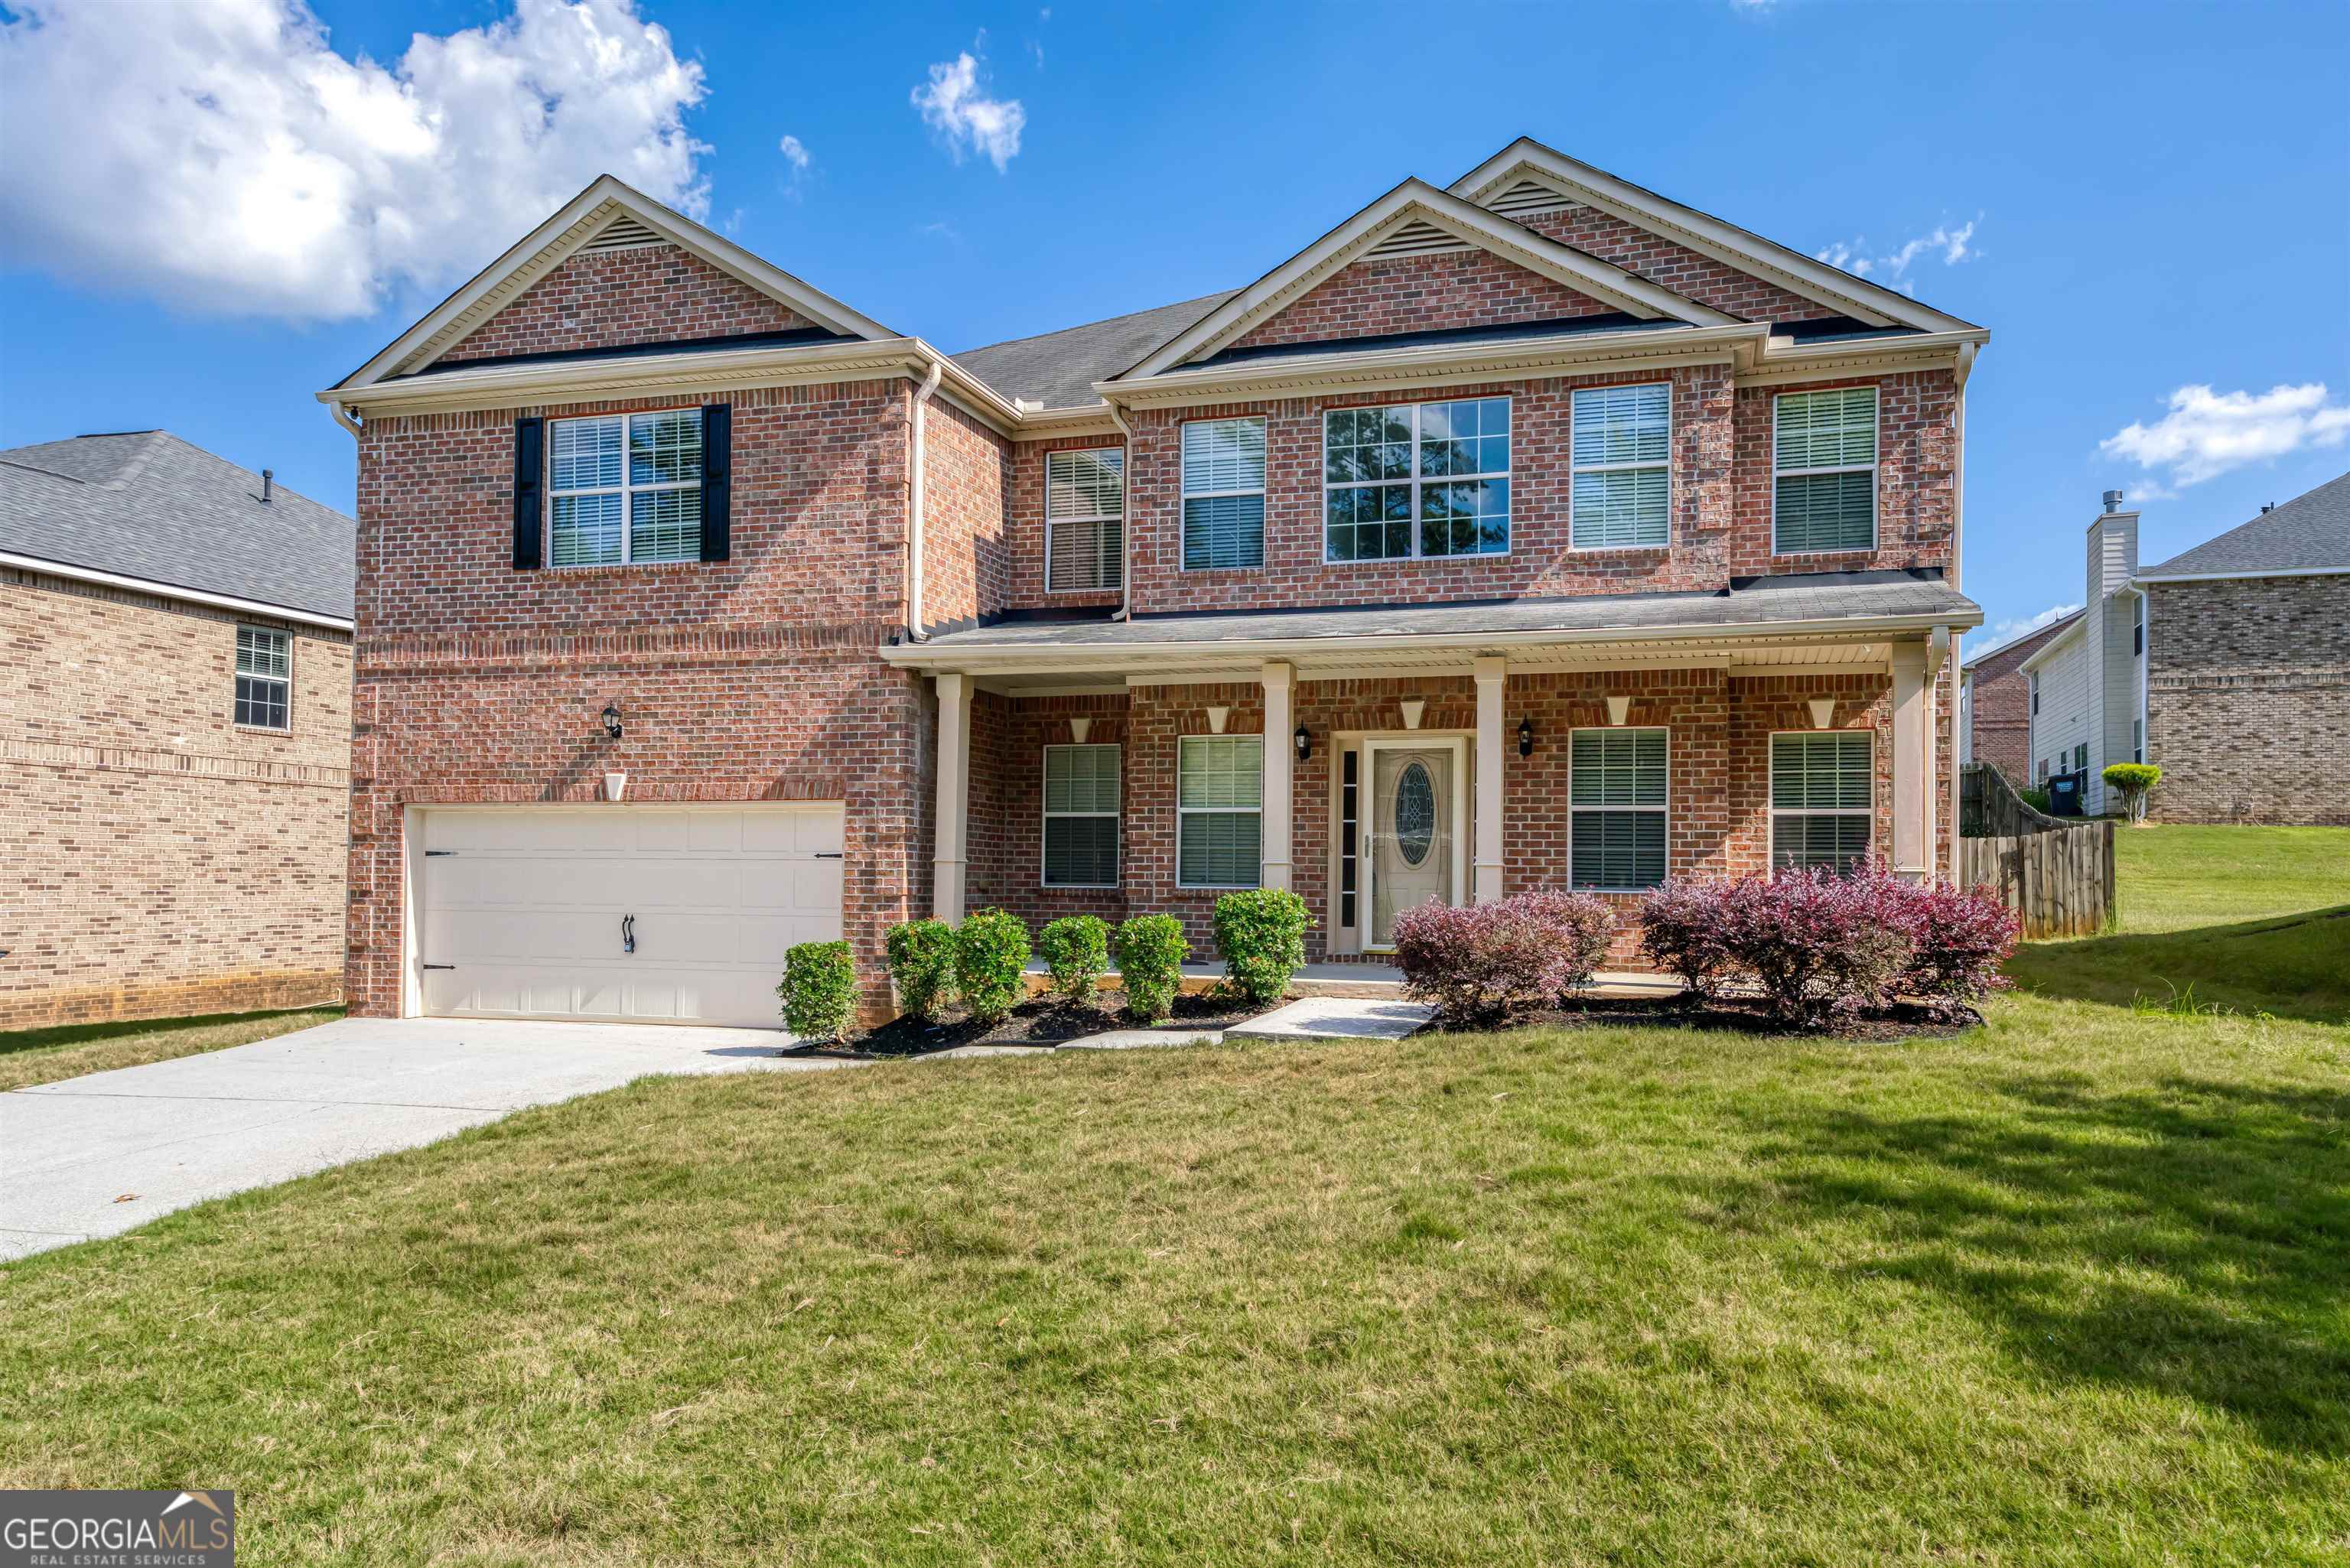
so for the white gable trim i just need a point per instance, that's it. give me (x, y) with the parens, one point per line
(547, 246)
(1707, 235)
(1415, 202)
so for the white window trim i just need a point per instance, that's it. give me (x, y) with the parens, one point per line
(1117, 563)
(1664, 810)
(1877, 416)
(1777, 811)
(1043, 841)
(623, 490)
(1574, 468)
(1183, 493)
(286, 680)
(1182, 810)
(1415, 481)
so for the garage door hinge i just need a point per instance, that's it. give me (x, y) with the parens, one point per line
(834, 855)
(439, 966)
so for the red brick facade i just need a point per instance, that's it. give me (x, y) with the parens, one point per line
(2000, 724)
(1420, 294)
(1675, 266)
(616, 299)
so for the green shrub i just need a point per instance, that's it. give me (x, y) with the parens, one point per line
(991, 954)
(922, 965)
(2036, 798)
(1076, 949)
(1262, 934)
(819, 990)
(1151, 953)
(2136, 781)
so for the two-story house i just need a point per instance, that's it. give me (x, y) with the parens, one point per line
(1533, 531)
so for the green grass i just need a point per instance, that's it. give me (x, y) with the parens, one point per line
(2073, 1289)
(49, 1055)
(2177, 878)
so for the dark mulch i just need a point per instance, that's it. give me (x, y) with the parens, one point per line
(1903, 1021)
(1046, 1020)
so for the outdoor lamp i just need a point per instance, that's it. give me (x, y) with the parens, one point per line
(1305, 743)
(1525, 737)
(612, 720)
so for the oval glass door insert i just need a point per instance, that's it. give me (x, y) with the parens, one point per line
(1415, 813)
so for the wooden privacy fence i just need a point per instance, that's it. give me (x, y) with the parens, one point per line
(2057, 874)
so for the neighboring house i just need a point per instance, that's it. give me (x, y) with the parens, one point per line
(1995, 703)
(1535, 530)
(2227, 666)
(174, 735)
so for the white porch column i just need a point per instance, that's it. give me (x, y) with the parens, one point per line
(954, 796)
(1913, 729)
(1273, 865)
(1492, 677)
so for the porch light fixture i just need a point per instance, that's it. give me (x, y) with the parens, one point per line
(612, 720)
(1413, 707)
(1618, 710)
(1823, 711)
(1305, 743)
(1525, 737)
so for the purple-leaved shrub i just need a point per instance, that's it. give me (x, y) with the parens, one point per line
(1474, 964)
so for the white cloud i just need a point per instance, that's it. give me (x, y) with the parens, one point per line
(795, 153)
(2008, 630)
(1751, 7)
(2206, 433)
(221, 156)
(965, 117)
(1952, 245)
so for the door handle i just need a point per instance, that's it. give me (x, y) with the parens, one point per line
(628, 933)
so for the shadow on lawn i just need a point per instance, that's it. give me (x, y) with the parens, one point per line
(2294, 966)
(2192, 1239)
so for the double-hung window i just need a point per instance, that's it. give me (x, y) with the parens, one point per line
(1616, 797)
(1081, 793)
(1416, 479)
(1085, 520)
(1219, 808)
(1823, 797)
(1824, 493)
(265, 678)
(625, 488)
(1623, 468)
(1223, 493)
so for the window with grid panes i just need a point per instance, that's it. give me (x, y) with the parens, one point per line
(1219, 806)
(1616, 791)
(265, 678)
(1823, 797)
(624, 488)
(1416, 479)
(1824, 492)
(1081, 805)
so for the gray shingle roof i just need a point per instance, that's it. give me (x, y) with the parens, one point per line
(2308, 532)
(1752, 603)
(1058, 369)
(147, 504)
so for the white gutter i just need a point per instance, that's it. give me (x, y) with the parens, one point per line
(170, 591)
(2229, 577)
(1125, 523)
(916, 424)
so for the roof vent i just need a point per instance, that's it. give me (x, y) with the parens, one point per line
(2113, 501)
(2267, 507)
(268, 483)
(1530, 196)
(1418, 238)
(622, 234)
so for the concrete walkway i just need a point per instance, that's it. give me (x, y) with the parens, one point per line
(99, 1155)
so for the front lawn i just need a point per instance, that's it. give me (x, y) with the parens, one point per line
(50, 1055)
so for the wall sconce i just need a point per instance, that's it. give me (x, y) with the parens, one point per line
(1305, 743)
(1525, 737)
(612, 720)
(1413, 707)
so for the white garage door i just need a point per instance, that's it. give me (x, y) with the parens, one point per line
(530, 912)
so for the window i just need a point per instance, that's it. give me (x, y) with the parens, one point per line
(1081, 816)
(1219, 805)
(265, 678)
(2034, 679)
(625, 488)
(1416, 479)
(1085, 520)
(1822, 798)
(1223, 493)
(1825, 494)
(1350, 806)
(2137, 625)
(2080, 756)
(2043, 770)
(2138, 740)
(1617, 802)
(1623, 473)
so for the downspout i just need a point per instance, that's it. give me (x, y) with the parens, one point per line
(343, 418)
(1126, 522)
(914, 503)
(1966, 369)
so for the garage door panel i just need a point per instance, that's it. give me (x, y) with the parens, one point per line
(794, 831)
(796, 885)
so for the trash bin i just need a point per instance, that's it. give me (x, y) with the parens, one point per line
(2064, 794)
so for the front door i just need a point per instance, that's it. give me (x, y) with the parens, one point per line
(1412, 828)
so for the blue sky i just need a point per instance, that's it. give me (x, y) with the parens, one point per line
(2138, 200)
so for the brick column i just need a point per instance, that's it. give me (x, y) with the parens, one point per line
(1274, 853)
(954, 795)
(1492, 676)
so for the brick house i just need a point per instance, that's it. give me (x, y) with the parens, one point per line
(1995, 703)
(1536, 530)
(175, 735)
(2228, 667)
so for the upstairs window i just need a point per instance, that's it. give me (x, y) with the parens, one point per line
(2033, 677)
(1223, 493)
(624, 489)
(2137, 625)
(1623, 468)
(1617, 799)
(1824, 481)
(1081, 793)
(1085, 520)
(265, 678)
(1822, 798)
(1416, 479)
(1220, 810)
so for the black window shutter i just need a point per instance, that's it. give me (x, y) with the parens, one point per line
(717, 480)
(530, 464)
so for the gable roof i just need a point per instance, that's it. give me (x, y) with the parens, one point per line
(606, 205)
(2309, 534)
(2030, 642)
(1058, 369)
(146, 505)
(1418, 206)
(1526, 160)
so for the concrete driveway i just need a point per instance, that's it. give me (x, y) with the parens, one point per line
(176, 1133)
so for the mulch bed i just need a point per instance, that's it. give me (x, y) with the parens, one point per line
(1043, 1021)
(1903, 1021)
